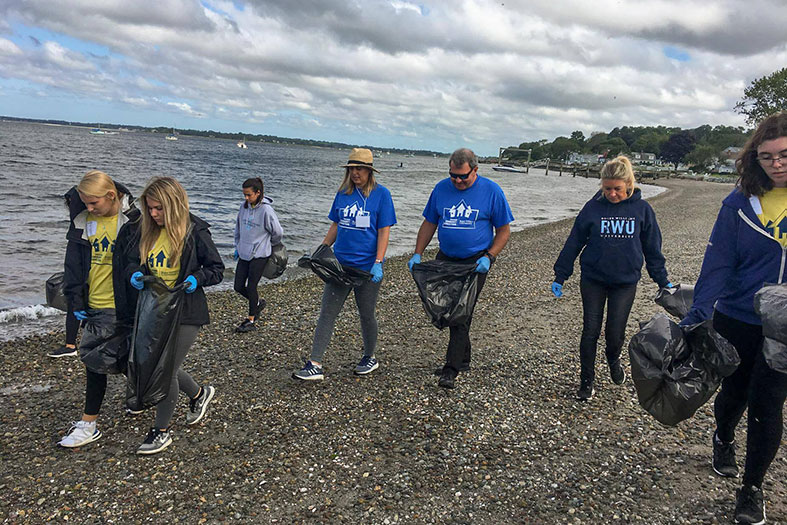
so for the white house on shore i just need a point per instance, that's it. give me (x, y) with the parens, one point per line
(640, 157)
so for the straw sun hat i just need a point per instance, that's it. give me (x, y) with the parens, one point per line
(361, 157)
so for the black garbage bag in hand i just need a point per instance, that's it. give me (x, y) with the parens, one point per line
(151, 362)
(324, 263)
(770, 303)
(54, 292)
(677, 300)
(277, 262)
(104, 346)
(448, 291)
(675, 371)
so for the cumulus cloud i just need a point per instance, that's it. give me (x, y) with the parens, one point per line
(420, 74)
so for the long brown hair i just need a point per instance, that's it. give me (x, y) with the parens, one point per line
(175, 204)
(348, 186)
(752, 178)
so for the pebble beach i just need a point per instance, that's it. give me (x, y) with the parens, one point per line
(510, 444)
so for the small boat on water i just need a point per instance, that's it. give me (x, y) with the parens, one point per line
(510, 169)
(242, 144)
(97, 131)
(171, 136)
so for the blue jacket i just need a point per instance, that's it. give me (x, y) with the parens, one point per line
(616, 237)
(741, 256)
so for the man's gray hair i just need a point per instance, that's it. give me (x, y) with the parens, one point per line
(462, 155)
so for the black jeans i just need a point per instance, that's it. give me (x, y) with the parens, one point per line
(618, 298)
(757, 385)
(247, 277)
(458, 353)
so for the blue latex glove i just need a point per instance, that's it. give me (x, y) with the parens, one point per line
(557, 289)
(191, 284)
(80, 314)
(377, 272)
(670, 285)
(235, 255)
(136, 280)
(482, 264)
(415, 259)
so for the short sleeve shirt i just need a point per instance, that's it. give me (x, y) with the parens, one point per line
(101, 233)
(161, 262)
(466, 218)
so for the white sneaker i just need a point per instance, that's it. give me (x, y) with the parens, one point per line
(80, 433)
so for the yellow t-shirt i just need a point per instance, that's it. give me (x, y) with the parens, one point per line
(774, 214)
(159, 260)
(101, 232)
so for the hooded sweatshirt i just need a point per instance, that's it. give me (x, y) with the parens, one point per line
(257, 228)
(740, 258)
(614, 238)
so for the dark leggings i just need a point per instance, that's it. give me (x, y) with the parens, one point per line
(754, 384)
(618, 298)
(247, 277)
(72, 327)
(94, 392)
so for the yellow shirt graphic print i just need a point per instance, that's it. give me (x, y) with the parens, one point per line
(774, 214)
(159, 261)
(101, 233)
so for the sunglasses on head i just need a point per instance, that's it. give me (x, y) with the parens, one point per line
(460, 176)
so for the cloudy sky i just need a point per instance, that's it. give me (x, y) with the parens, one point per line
(391, 73)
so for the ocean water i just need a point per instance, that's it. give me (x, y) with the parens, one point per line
(39, 163)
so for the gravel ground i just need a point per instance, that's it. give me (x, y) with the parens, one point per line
(508, 445)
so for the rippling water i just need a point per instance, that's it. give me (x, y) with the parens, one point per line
(39, 163)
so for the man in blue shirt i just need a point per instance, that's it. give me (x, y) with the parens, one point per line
(472, 219)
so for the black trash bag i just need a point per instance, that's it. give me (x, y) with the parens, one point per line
(677, 300)
(54, 292)
(277, 262)
(151, 362)
(675, 371)
(770, 303)
(104, 346)
(775, 354)
(448, 291)
(324, 263)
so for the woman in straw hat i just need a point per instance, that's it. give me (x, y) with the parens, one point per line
(362, 214)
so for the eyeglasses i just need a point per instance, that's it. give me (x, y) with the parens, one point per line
(460, 176)
(764, 158)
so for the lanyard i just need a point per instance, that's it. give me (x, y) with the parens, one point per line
(363, 199)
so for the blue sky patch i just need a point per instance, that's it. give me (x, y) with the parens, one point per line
(676, 54)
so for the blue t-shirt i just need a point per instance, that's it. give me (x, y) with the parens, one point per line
(359, 218)
(465, 219)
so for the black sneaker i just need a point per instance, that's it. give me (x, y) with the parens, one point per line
(617, 373)
(586, 391)
(749, 507)
(464, 367)
(447, 379)
(62, 351)
(724, 458)
(245, 326)
(156, 441)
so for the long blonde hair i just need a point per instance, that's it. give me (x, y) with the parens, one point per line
(620, 168)
(348, 186)
(96, 183)
(175, 204)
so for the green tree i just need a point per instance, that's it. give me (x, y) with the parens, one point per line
(764, 96)
(677, 147)
(702, 157)
(562, 146)
(578, 137)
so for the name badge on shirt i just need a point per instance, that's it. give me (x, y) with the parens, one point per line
(91, 228)
(363, 220)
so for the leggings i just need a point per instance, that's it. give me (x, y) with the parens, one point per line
(754, 384)
(618, 298)
(181, 380)
(333, 297)
(247, 277)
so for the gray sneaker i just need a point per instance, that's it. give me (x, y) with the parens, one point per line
(198, 407)
(309, 372)
(155, 442)
(367, 365)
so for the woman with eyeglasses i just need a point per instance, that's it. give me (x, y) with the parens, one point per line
(361, 217)
(747, 248)
(615, 232)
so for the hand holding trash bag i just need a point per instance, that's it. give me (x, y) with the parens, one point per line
(191, 284)
(377, 272)
(482, 265)
(415, 259)
(80, 314)
(136, 280)
(557, 289)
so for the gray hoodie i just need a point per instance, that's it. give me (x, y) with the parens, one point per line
(256, 230)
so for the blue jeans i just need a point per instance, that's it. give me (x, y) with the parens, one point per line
(619, 299)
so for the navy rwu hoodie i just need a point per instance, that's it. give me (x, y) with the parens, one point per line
(740, 258)
(616, 237)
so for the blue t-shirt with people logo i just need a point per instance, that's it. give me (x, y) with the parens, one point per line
(465, 218)
(358, 218)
